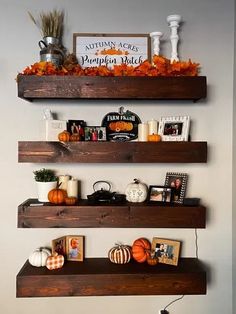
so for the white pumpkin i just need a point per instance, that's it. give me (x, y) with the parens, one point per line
(120, 254)
(39, 257)
(136, 192)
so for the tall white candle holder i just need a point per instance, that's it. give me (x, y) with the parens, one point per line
(174, 21)
(156, 42)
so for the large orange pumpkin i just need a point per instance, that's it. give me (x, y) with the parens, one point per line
(141, 250)
(57, 196)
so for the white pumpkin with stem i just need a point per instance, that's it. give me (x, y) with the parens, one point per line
(39, 257)
(136, 192)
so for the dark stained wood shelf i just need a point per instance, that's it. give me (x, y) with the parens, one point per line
(71, 87)
(112, 152)
(129, 215)
(100, 277)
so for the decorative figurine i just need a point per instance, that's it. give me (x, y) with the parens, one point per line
(173, 21)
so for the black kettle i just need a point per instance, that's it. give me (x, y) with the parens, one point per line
(104, 194)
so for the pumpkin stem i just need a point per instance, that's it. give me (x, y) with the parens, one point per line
(136, 181)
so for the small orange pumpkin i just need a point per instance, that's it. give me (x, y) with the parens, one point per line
(75, 137)
(141, 250)
(57, 196)
(152, 261)
(55, 261)
(70, 200)
(154, 138)
(64, 136)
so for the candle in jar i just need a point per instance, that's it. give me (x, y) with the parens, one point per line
(63, 181)
(152, 127)
(72, 188)
(143, 132)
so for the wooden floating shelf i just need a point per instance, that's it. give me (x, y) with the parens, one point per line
(112, 152)
(129, 215)
(100, 277)
(32, 87)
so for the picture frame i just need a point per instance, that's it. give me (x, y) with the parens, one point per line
(71, 247)
(75, 248)
(167, 251)
(76, 126)
(109, 49)
(95, 133)
(177, 181)
(59, 246)
(160, 194)
(174, 128)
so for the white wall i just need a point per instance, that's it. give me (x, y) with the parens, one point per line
(207, 37)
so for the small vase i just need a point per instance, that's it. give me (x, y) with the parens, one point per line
(51, 50)
(43, 188)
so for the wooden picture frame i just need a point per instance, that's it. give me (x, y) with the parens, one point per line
(178, 181)
(174, 128)
(71, 247)
(75, 248)
(167, 251)
(109, 49)
(160, 194)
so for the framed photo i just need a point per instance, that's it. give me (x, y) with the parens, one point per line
(177, 181)
(99, 49)
(174, 128)
(59, 246)
(75, 248)
(167, 251)
(71, 247)
(160, 194)
(95, 133)
(76, 126)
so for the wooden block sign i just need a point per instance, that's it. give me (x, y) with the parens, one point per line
(94, 50)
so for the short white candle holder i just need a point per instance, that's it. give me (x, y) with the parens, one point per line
(174, 21)
(156, 42)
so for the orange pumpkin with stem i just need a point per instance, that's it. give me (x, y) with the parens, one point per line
(154, 138)
(57, 196)
(141, 249)
(64, 136)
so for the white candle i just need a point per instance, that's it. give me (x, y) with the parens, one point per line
(152, 127)
(143, 132)
(63, 181)
(72, 188)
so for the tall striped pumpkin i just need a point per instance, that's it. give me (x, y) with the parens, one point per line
(120, 254)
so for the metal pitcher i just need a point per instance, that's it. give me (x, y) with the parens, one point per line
(51, 51)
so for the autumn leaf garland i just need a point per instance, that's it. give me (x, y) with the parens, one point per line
(161, 67)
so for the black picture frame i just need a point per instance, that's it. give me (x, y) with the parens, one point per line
(160, 194)
(178, 181)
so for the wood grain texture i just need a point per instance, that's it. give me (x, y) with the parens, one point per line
(112, 152)
(129, 215)
(100, 277)
(174, 88)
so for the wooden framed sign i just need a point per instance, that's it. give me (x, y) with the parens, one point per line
(93, 50)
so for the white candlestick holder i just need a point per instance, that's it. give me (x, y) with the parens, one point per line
(174, 21)
(156, 42)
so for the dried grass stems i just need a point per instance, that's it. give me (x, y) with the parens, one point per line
(50, 24)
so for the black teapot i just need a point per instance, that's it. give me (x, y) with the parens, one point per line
(104, 194)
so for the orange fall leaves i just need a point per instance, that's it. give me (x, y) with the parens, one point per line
(161, 67)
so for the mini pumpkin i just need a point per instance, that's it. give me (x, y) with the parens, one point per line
(154, 138)
(75, 137)
(39, 257)
(57, 196)
(70, 200)
(152, 260)
(64, 136)
(55, 261)
(120, 254)
(136, 192)
(141, 250)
